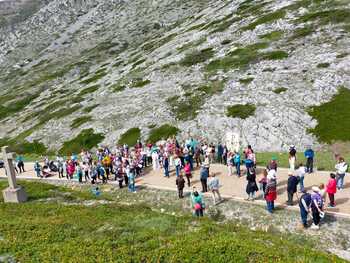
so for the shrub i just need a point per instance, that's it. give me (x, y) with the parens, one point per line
(118, 87)
(163, 132)
(139, 83)
(323, 65)
(302, 32)
(16, 106)
(226, 41)
(90, 108)
(196, 57)
(24, 147)
(130, 137)
(89, 90)
(279, 90)
(241, 111)
(86, 139)
(266, 19)
(327, 17)
(95, 77)
(333, 118)
(246, 81)
(272, 36)
(275, 55)
(79, 121)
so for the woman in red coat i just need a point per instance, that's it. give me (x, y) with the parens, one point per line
(331, 189)
(271, 193)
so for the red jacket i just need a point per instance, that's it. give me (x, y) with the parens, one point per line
(331, 186)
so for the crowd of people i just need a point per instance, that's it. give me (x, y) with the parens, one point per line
(124, 165)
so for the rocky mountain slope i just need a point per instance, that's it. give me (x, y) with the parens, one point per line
(72, 65)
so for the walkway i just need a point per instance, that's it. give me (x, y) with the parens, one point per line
(231, 186)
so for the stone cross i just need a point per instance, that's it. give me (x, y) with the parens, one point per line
(14, 193)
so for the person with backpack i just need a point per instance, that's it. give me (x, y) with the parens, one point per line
(291, 187)
(204, 174)
(180, 184)
(305, 205)
(37, 169)
(309, 155)
(331, 189)
(316, 207)
(251, 187)
(197, 203)
(341, 168)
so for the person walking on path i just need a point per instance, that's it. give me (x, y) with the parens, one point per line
(37, 169)
(80, 173)
(166, 166)
(130, 171)
(263, 182)
(251, 187)
(204, 174)
(341, 168)
(331, 189)
(188, 174)
(70, 170)
(271, 192)
(292, 157)
(316, 207)
(180, 184)
(304, 205)
(20, 163)
(309, 155)
(197, 203)
(177, 163)
(214, 188)
(291, 187)
(237, 162)
(301, 171)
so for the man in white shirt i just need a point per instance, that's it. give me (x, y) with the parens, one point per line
(341, 168)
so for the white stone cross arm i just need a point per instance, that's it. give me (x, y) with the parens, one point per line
(10, 170)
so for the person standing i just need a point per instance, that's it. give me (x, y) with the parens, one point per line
(309, 155)
(237, 162)
(304, 205)
(60, 167)
(341, 168)
(230, 163)
(188, 174)
(301, 174)
(331, 189)
(130, 171)
(37, 169)
(204, 174)
(197, 202)
(20, 163)
(180, 184)
(166, 165)
(220, 151)
(271, 192)
(291, 187)
(86, 169)
(292, 157)
(214, 188)
(79, 173)
(155, 160)
(316, 207)
(272, 164)
(177, 163)
(251, 187)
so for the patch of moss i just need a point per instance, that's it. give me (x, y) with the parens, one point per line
(86, 139)
(130, 137)
(163, 132)
(272, 36)
(197, 56)
(241, 111)
(246, 80)
(90, 108)
(80, 121)
(139, 83)
(275, 55)
(323, 65)
(268, 18)
(89, 90)
(280, 90)
(333, 118)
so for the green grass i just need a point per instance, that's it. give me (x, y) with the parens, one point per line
(274, 55)
(333, 16)
(272, 36)
(117, 232)
(118, 87)
(323, 65)
(89, 90)
(163, 132)
(86, 139)
(139, 83)
(197, 56)
(130, 137)
(333, 118)
(96, 77)
(90, 108)
(268, 18)
(280, 90)
(223, 26)
(80, 121)
(24, 147)
(17, 106)
(302, 32)
(241, 111)
(246, 81)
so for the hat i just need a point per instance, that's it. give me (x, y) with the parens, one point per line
(315, 189)
(274, 158)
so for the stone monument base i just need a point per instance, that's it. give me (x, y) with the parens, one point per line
(14, 195)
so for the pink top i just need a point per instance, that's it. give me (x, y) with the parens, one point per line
(331, 186)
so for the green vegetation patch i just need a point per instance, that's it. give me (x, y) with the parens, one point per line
(302, 32)
(334, 16)
(333, 118)
(80, 121)
(139, 83)
(226, 42)
(90, 108)
(274, 55)
(24, 147)
(271, 17)
(86, 139)
(241, 111)
(163, 132)
(280, 90)
(17, 106)
(272, 36)
(89, 90)
(246, 80)
(130, 137)
(323, 65)
(197, 56)
(97, 76)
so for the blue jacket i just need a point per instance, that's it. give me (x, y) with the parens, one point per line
(237, 158)
(204, 173)
(309, 153)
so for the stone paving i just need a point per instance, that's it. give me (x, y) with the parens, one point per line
(231, 186)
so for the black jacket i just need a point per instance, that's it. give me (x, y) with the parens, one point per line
(292, 184)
